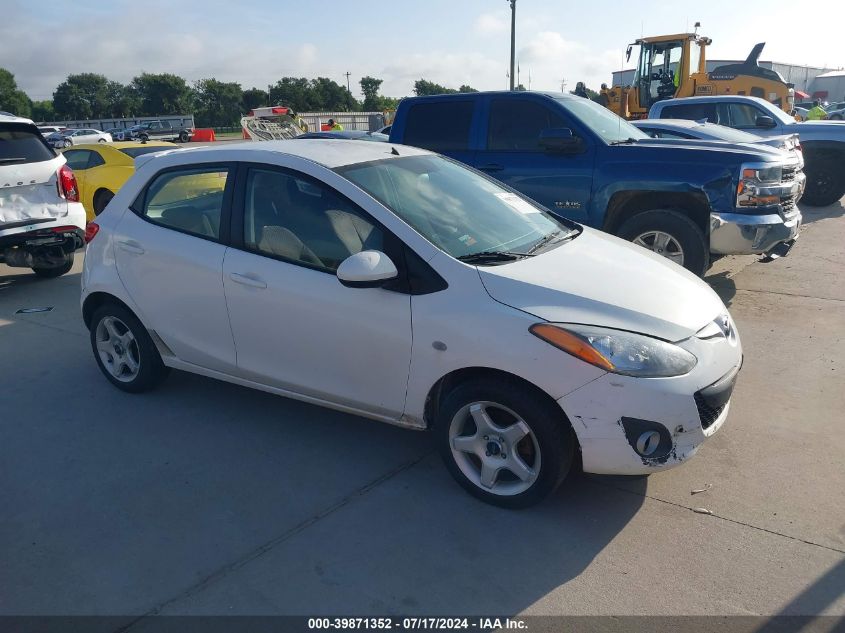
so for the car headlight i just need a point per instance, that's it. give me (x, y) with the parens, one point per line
(617, 351)
(752, 178)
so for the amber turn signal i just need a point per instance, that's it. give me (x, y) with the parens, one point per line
(571, 344)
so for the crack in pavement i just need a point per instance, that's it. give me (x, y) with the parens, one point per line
(223, 571)
(723, 518)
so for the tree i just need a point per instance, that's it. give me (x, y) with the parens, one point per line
(121, 101)
(466, 88)
(520, 87)
(82, 96)
(370, 87)
(332, 97)
(43, 111)
(162, 94)
(423, 87)
(217, 104)
(320, 94)
(293, 92)
(11, 98)
(254, 98)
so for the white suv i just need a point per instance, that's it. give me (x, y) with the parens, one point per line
(399, 285)
(42, 221)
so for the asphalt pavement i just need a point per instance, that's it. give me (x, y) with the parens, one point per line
(208, 498)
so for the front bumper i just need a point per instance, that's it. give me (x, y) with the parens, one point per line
(612, 413)
(740, 234)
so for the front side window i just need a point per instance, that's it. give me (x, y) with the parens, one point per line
(298, 219)
(461, 212)
(691, 112)
(515, 124)
(189, 200)
(743, 115)
(440, 127)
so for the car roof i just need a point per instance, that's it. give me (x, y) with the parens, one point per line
(499, 93)
(11, 118)
(667, 123)
(720, 98)
(328, 152)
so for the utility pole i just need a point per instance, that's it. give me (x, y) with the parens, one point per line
(563, 85)
(347, 82)
(513, 39)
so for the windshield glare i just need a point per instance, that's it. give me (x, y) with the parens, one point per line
(459, 211)
(604, 123)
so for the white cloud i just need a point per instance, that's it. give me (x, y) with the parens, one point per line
(491, 23)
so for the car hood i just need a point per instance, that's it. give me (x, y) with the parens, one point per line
(739, 151)
(598, 279)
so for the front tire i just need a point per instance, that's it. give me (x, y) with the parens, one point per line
(671, 234)
(825, 179)
(124, 350)
(184, 138)
(67, 143)
(502, 443)
(55, 271)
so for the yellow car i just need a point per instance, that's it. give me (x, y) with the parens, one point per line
(102, 168)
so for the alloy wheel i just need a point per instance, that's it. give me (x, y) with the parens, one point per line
(118, 349)
(662, 244)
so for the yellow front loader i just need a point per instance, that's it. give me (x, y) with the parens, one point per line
(671, 66)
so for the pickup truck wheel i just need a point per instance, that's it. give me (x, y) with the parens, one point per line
(502, 443)
(101, 200)
(143, 138)
(183, 137)
(825, 180)
(55, 271)
(671, 234)
(124, 350)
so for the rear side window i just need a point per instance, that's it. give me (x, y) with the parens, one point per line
(22, 143)
(190, 200)
(135, 152)
(78, 159)
(691, 111)
(515, 124)
(440, 127)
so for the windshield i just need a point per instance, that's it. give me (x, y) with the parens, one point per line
(610, 127)
(459, 211)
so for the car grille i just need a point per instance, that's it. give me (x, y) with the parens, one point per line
(706, 413)
(789, 174)
(788, 208)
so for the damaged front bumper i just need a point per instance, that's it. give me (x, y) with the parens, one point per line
(636, 426)
(741, 234)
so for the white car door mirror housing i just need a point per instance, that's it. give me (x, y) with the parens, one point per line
(367, 269)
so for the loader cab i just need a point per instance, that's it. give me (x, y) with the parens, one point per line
(665, 66)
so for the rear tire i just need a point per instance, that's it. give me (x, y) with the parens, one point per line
(67, 143)
(525, 433)
(825, 179)
(124, 350)
(688, 247)
(57, 271)
(101, 200)
(183, 137)
(143, 138)
(102, 140)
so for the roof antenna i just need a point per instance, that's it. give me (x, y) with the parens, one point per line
(393, 151)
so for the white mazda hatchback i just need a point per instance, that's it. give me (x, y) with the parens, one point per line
(399, 285)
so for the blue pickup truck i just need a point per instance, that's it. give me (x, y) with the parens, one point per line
(682, 199)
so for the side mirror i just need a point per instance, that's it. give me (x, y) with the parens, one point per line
(561, 140)
(367, 269)
(765, 122)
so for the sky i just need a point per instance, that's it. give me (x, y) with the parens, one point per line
(450, 42)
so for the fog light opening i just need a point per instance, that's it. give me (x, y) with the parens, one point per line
(647, 443)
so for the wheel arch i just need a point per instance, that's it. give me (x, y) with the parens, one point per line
(624, 205)
(96, 300)
(447, 383)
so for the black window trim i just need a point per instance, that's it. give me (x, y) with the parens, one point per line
(138, 205)
(395, 247)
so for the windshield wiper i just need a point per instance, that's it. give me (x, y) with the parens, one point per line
(491, 256)
(12, 160)
(627, 141)
(553, 236)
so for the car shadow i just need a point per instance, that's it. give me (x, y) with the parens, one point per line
(814, 214)
(724, 286)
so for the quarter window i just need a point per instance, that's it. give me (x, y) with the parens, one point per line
(77, 159)
(188, 200)
(516, 124)
(295, 218)
(440, 127)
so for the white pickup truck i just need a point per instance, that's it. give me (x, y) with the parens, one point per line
(822, 142)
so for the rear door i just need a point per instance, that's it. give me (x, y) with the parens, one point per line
(444, 126)
(28, 166)
(511, 152)
(169, 252)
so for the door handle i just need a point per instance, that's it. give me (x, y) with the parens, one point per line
(492, 167)
(131, 246)
(247, 280)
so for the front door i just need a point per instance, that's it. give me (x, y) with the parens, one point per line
(560, 182)
(169, 252)
(296, 326)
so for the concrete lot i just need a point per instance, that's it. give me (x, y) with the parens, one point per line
(206, 498)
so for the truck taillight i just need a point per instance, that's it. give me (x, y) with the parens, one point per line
(66, 184)
(91, 230)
